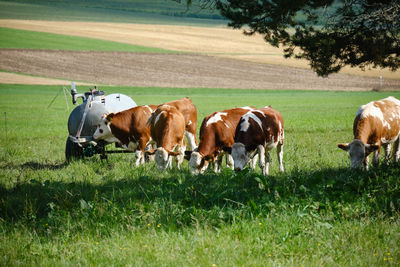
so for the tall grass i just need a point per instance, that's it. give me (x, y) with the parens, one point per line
(94, 212)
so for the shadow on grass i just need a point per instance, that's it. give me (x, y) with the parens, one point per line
(180, 199)
(36, 166)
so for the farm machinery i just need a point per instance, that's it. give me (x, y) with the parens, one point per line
(85, 117)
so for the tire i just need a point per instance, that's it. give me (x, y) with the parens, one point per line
(72, 150)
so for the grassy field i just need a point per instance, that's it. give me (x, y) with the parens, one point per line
(93, 212)
(21, 39)
(137, 11)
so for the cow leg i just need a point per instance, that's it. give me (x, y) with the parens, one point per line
(261, 157)
(229, 161)
(218, 163)
(279, 151)
(396, 150)
(140, 157)
(180, 157)
(388, 148)
(375, 158)
(191, 140)
(366, 163)
(253, 160)
(267, 162)
(169, 162)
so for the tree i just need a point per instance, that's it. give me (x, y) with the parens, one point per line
(329, 34)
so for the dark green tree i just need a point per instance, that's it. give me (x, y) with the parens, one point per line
(329, 34)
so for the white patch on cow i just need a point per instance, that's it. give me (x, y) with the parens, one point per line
(247, 107)
(191, 140)
(149, 108)
(370, 110)
(394, 100)
(158, 117)
(217, 117)
(244, 126)
(190, 122)
(103, 132)
(259, 112)
(194, 162)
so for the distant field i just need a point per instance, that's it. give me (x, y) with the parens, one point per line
(214, 41)
(137, 11)
(12, 38)
(92, 212)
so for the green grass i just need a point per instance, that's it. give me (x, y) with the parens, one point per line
(21, 39)
(145, 11)
(93, 212)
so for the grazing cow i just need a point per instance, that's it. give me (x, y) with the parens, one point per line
(376, 124)
(167, 129)
(189, 112)
(258, 131)
(216, 137)
(128, 128)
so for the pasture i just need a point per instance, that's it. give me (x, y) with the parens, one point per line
(93, 212)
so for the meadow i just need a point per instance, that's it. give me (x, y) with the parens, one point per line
(94, 212)
(22, 39)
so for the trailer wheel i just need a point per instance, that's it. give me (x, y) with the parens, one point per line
(72, 150)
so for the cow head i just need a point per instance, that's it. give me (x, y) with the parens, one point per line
(162, 158)
(103, 130)
(240, 156)
(197, 163)
(358, 152)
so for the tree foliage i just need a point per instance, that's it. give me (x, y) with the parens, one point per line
(329, 34)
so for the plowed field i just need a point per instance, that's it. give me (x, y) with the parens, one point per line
(176, 70)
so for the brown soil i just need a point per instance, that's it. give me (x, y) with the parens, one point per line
(176, 70)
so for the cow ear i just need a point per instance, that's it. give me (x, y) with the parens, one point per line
(370, 148)
(344, 146)
(110, 117)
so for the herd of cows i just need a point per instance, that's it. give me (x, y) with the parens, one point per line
(245, 135)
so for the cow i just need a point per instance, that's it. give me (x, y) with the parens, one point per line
(128, 128)
(188, 109)
(216, 138)
(376, 124)
(258, 132)
(167, 129)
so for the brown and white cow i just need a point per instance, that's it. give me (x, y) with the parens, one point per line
(258, 132)
(376, 124)
(216, 137)
(188, 109)
(128, 128)
(167, 129)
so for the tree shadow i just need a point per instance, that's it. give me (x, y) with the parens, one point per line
(36, 166)
(180, 197)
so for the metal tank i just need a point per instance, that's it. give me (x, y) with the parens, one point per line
(83, 120)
